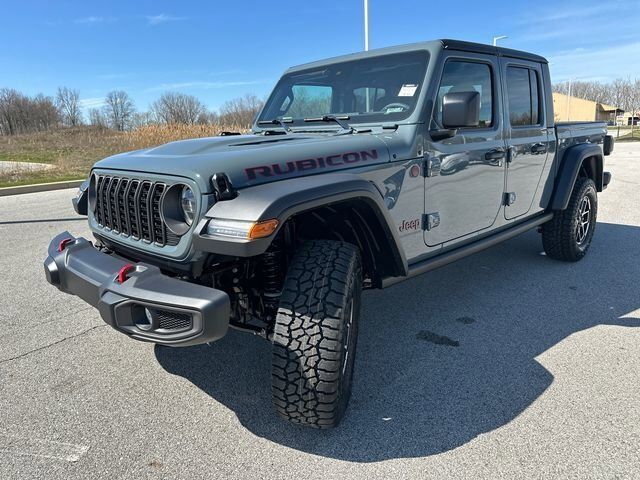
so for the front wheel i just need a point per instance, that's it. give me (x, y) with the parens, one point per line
(568, 235)
(315, 333)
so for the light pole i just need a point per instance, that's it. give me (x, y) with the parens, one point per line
(366, 48)
(569, 82)
(499, 37)
(366, 25)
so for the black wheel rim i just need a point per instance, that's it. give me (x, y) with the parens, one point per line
(347, 344)
(583, 225)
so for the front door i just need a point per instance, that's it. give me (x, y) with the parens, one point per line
(527, 139)
(465, 182)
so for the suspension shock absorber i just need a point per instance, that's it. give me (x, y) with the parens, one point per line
(272, 276)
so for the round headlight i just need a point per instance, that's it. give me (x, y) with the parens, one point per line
(188, 204)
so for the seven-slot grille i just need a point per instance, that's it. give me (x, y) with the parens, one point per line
(131, 207)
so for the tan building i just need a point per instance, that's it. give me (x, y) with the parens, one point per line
(625, 118)
(572, 109)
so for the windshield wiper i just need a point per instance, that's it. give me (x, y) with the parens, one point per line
(333, 118)
(279, 121)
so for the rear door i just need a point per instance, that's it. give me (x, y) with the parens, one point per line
(527, 139)
(465, 181)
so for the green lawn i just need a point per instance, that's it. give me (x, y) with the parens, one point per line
(628, 136)
(37, 177)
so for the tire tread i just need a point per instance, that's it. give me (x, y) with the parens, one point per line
(309, 330)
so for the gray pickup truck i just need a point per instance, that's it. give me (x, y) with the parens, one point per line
(360, 172)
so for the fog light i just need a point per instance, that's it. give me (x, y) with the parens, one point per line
(145, 323)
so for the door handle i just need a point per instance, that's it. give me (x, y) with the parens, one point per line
(495, 155)
(539, 148)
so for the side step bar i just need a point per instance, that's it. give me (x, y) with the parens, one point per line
(440, 260)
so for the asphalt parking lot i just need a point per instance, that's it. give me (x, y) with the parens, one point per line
(504, 365)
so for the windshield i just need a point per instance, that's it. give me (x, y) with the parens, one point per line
(371, 90)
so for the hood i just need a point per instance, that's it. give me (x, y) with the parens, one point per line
(253, 159)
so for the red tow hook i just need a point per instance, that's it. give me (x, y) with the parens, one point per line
(123, 274)
(63, 244)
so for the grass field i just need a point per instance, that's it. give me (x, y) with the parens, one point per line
(626, 134)
(72, 151)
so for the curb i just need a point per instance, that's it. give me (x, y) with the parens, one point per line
(40, 187)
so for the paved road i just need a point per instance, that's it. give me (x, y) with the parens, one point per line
(539, 380)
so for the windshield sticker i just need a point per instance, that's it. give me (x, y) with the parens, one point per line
(408, 90)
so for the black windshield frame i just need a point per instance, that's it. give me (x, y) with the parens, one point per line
(395, 74)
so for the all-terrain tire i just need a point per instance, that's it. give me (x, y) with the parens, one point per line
(315, 334)
(564, 237)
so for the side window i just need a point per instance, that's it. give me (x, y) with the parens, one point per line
(463, 76)
(523, 91)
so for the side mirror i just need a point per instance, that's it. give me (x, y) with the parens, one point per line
(461, 109)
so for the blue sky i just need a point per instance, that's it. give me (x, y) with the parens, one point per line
(218, 50)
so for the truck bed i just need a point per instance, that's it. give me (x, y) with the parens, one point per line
(572, 133)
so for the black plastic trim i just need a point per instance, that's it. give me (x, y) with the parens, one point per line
(442, 259)
(82, 270)
(608, 144)
(291, 197)
(570, 168)
(81, 201)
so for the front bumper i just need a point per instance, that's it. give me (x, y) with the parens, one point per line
(147, 305)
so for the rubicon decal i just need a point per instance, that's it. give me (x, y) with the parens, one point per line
(309, 164)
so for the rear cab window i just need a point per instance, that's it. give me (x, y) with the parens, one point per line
(523, 96)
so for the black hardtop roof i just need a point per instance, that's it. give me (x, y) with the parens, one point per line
(490, 49)
(432, 46)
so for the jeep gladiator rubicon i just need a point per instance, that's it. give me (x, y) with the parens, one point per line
(360, 171)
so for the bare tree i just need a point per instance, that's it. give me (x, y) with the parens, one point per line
(143, 118)
(240, 111)
(594, 91)
(22, 114)
(44, 114)
(97, 117)
(174, 107)
(68, 103)
(119, 110)
(208, 118)
(634, 101)
(617, 93)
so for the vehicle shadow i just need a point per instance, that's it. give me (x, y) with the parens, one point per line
(441, 358)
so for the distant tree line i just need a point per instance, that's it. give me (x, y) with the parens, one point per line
(20, 113)
(620, 93)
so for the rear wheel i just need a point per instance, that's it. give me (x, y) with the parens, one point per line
(568, 235)
(315, 334)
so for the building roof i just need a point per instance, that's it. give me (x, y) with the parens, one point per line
(608, 108)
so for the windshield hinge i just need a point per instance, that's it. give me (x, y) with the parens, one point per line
(431, 167)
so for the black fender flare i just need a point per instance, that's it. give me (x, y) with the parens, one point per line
(283, 199)
(572, 161)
